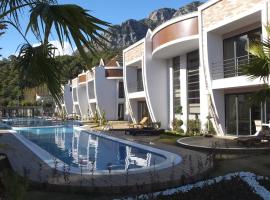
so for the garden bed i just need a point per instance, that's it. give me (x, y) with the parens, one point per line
(234, 189)
(235, 186)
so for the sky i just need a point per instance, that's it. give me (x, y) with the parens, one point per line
(113, 11)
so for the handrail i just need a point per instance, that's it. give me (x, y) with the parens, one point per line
(229, 67)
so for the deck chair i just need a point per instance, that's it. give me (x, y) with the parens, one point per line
(258, 125)
(141, 124)
(257, 138)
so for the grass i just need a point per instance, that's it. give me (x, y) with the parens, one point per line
(258, 164)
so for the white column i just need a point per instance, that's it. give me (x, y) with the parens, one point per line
(183, 90)
(204, 107)
(171, 114)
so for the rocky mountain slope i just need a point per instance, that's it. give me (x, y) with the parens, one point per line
(132, 30)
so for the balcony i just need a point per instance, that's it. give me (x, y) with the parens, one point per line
(230, 67)
(136, 86)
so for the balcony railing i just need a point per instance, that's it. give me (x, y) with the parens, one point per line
(135, 86)
(230, 67)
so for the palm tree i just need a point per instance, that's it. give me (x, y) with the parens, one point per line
(37, 64)
(2, 27)
(259, 66)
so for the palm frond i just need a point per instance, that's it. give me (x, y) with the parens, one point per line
(258, 65)
(71, 22)
(37, 65)
(263, 95)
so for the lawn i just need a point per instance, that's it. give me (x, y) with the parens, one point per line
(258, 164)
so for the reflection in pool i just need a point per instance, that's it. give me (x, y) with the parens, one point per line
(88, 151)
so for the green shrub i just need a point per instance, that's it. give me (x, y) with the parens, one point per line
(176, 124)
(15, 186)
(210, 128)
(103, 118)
(96, 118)
(194, 127)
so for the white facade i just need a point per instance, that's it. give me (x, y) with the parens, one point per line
(67, 99)
(76, 107)
(103, 92)
(156, 64)
(225, 87)
(194, 62)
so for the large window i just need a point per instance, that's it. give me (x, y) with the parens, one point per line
(121, 111)
(235, 52)
(121, 93)
(142, 110)
(139, 80)
(241, 114)
(193, 77)
(176, 85)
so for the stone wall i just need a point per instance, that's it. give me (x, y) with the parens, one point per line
(134, 53)
(226, 9)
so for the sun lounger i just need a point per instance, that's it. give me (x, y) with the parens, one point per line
(141, 124)
(259, 137)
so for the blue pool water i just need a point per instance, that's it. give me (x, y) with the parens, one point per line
(35, 121)
(88, 151)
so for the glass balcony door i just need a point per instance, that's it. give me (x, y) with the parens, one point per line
(142, 111)
(235, 52)
(241, 114)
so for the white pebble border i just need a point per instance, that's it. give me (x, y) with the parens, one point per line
(248, 177)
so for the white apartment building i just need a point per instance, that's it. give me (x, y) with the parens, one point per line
(194, 62)
(99, 90)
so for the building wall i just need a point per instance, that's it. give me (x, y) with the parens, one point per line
(134, 53)
(82, 100)
(68, 99)
(106, 94)
(156, 85)
(219, 19)
(226, 9)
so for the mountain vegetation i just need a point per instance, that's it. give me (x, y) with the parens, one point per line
(14, 87)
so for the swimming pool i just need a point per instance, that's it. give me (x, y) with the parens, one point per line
(36, 121)
(85, 152)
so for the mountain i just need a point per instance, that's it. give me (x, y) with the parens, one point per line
(133, 30)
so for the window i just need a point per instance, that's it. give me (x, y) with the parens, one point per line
(120, 111)
(193, 77)
(121, 93)
(139, 80)
(235, 52)
(176, 85)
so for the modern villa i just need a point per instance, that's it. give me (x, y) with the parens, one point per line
(105, 90)
(99, 90)
(187, 68)
(191, 66)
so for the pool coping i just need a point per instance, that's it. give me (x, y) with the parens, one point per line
(46, 157)
(232, 150)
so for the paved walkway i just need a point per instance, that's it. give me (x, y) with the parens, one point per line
(25, 163)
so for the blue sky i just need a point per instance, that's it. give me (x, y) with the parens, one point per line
(113, 11)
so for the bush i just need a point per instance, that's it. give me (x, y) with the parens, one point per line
(176, 124)
(96, 118)
(103, 118)
(211, 129)
(194, 127)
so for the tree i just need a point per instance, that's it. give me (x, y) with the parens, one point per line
(2, 27)
(259, 66)
(38, 65)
